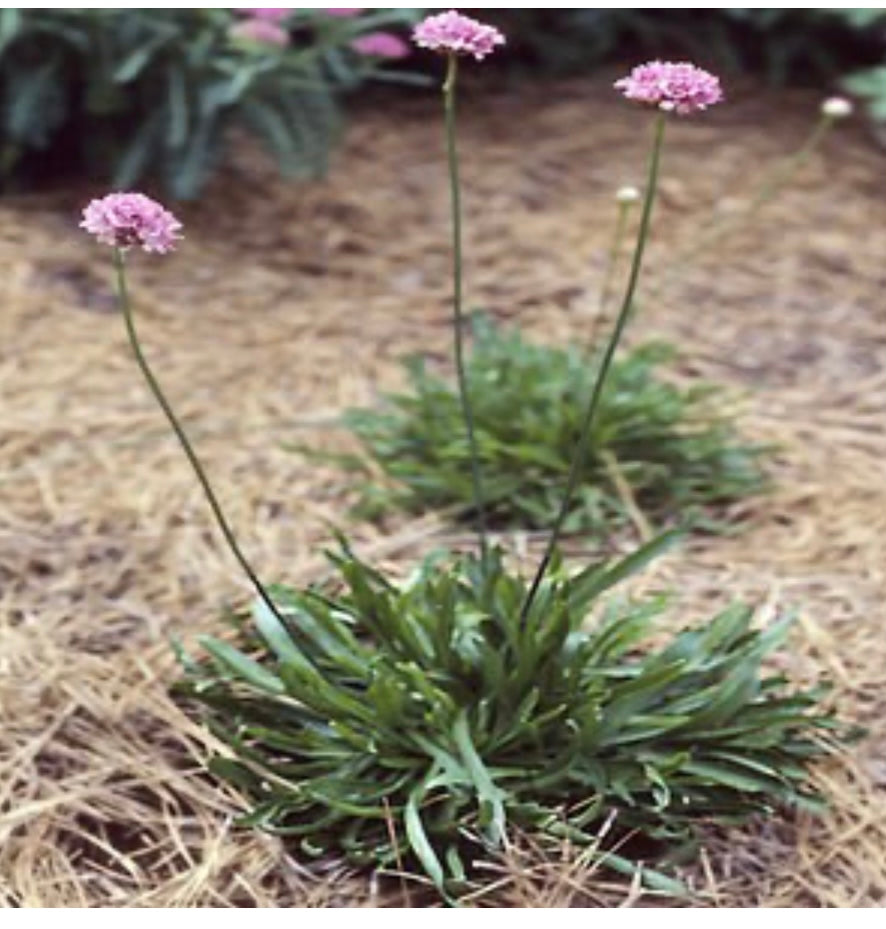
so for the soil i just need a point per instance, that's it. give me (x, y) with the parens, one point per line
(287, 303)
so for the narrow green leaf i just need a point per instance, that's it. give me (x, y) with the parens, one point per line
(418, 840)
(242, 666)
(492, 798)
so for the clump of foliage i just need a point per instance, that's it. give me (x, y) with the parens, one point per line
(674, 447)
(417, 723)
(129, 93)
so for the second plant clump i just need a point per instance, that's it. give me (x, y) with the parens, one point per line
(670, 451)
(418, 723)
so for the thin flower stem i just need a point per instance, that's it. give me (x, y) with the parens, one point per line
(782, 171)
(711, 233)
(621, 225)
(156, 390)
(449, 88)
(581, 452)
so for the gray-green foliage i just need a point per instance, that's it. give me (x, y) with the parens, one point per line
(675, 447)
(828, 44)
(126, 93)
(779, 43)
(421, 722)
(870, 83)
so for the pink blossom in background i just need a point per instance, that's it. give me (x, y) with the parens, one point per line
(381, 45)
(677, 86)
(461, 35)
(271, 16)
(262, 31)
(127, 219)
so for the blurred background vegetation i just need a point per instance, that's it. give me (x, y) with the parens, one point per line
(123, 96)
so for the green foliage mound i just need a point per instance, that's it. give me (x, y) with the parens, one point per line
(673, 447)
(416, 724)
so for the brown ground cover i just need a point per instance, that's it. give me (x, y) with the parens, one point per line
(286, 304)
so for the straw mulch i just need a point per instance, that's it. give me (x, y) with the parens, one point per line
(287, 303)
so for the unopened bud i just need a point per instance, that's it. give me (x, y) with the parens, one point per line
(627, 195)
(836, 107)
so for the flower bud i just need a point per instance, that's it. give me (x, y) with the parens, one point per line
(836, 107)
(627, 195)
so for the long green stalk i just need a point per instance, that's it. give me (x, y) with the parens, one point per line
(449, 88)
(581, 452)
(621, 225)
(156, 390)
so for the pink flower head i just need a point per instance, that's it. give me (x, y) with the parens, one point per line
(124, 220)
(381, 45)
(451, 32)
(677, 86)
(271, 16)
(260, 31)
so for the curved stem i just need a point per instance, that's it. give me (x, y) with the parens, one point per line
(581, 452)
(449, 87)
(621, 225)
(126, 307)
(775, 178)
(711, 233)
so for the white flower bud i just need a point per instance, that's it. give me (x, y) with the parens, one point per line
(627, 195)
(836, 108)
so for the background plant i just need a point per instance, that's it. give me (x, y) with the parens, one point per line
(676, 448)
(781, 44)
(124, 94)
(413, 724)
(841, 46)
(121, 94)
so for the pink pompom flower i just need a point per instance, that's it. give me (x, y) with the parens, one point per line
(271, 16)
(260, 32)
(677, 86)
(127, 219)
(381, 45)
(453, 33)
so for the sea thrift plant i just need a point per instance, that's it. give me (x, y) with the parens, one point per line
(414, 724)
(678, 86)
(452, 33)
(660, 453)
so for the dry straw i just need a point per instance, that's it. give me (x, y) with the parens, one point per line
(106, 548)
